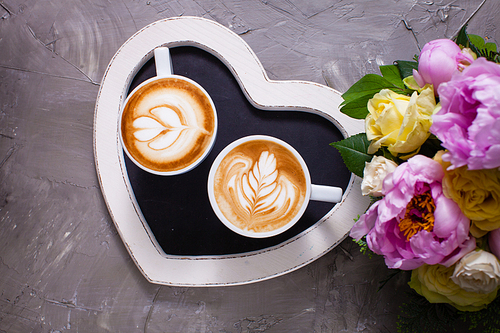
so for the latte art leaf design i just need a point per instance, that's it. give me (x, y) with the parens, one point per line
(161, 129)
(262, 191)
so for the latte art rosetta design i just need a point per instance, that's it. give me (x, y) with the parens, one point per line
(260, 190)
(260, 193)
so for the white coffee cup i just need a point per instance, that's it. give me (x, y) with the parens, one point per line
(259, 186)
(168, 123)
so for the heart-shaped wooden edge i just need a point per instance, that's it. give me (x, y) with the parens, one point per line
(264, 94)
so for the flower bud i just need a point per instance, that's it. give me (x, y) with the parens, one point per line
(438, 60)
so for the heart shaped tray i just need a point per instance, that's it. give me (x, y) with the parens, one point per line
(166, 223)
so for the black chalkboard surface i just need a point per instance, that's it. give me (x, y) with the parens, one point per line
(177, 208)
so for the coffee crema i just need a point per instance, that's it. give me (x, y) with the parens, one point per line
(168, 124)
(260, 186)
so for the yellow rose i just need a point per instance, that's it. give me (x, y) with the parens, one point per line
(435, 284)
(477, 193)
(399, 122)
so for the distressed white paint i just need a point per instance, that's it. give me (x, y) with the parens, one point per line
(263, 93)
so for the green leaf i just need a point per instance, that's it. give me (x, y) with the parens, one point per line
(406, 67)
(357, 108)
(391, 74)
(462, 38)
(491, 47)
(354, 152)
(356, 98)
(478, 45)
(411, 83)
(478, 41)
(483, 49)
(369, 84)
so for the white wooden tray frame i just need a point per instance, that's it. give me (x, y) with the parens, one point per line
(264, 94)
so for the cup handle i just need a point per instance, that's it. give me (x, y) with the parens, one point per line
(163, 62)
(326, 193)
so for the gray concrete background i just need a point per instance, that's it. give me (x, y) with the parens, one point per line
(63, 266)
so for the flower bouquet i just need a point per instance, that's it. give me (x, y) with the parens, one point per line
(430, 160)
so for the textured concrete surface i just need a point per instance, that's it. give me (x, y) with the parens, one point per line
(63, 266)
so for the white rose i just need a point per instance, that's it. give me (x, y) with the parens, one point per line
(374, 174)
(478, 271)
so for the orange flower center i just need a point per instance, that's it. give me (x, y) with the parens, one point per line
(419, 215)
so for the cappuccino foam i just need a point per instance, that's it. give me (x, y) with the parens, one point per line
(168, 124)
(260, 186)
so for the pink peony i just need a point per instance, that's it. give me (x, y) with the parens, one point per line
(494, 242)
(468, 123)
(437, 62)
(414, 223)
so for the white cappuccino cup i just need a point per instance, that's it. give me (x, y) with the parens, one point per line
(168, 123)
(259, 186)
